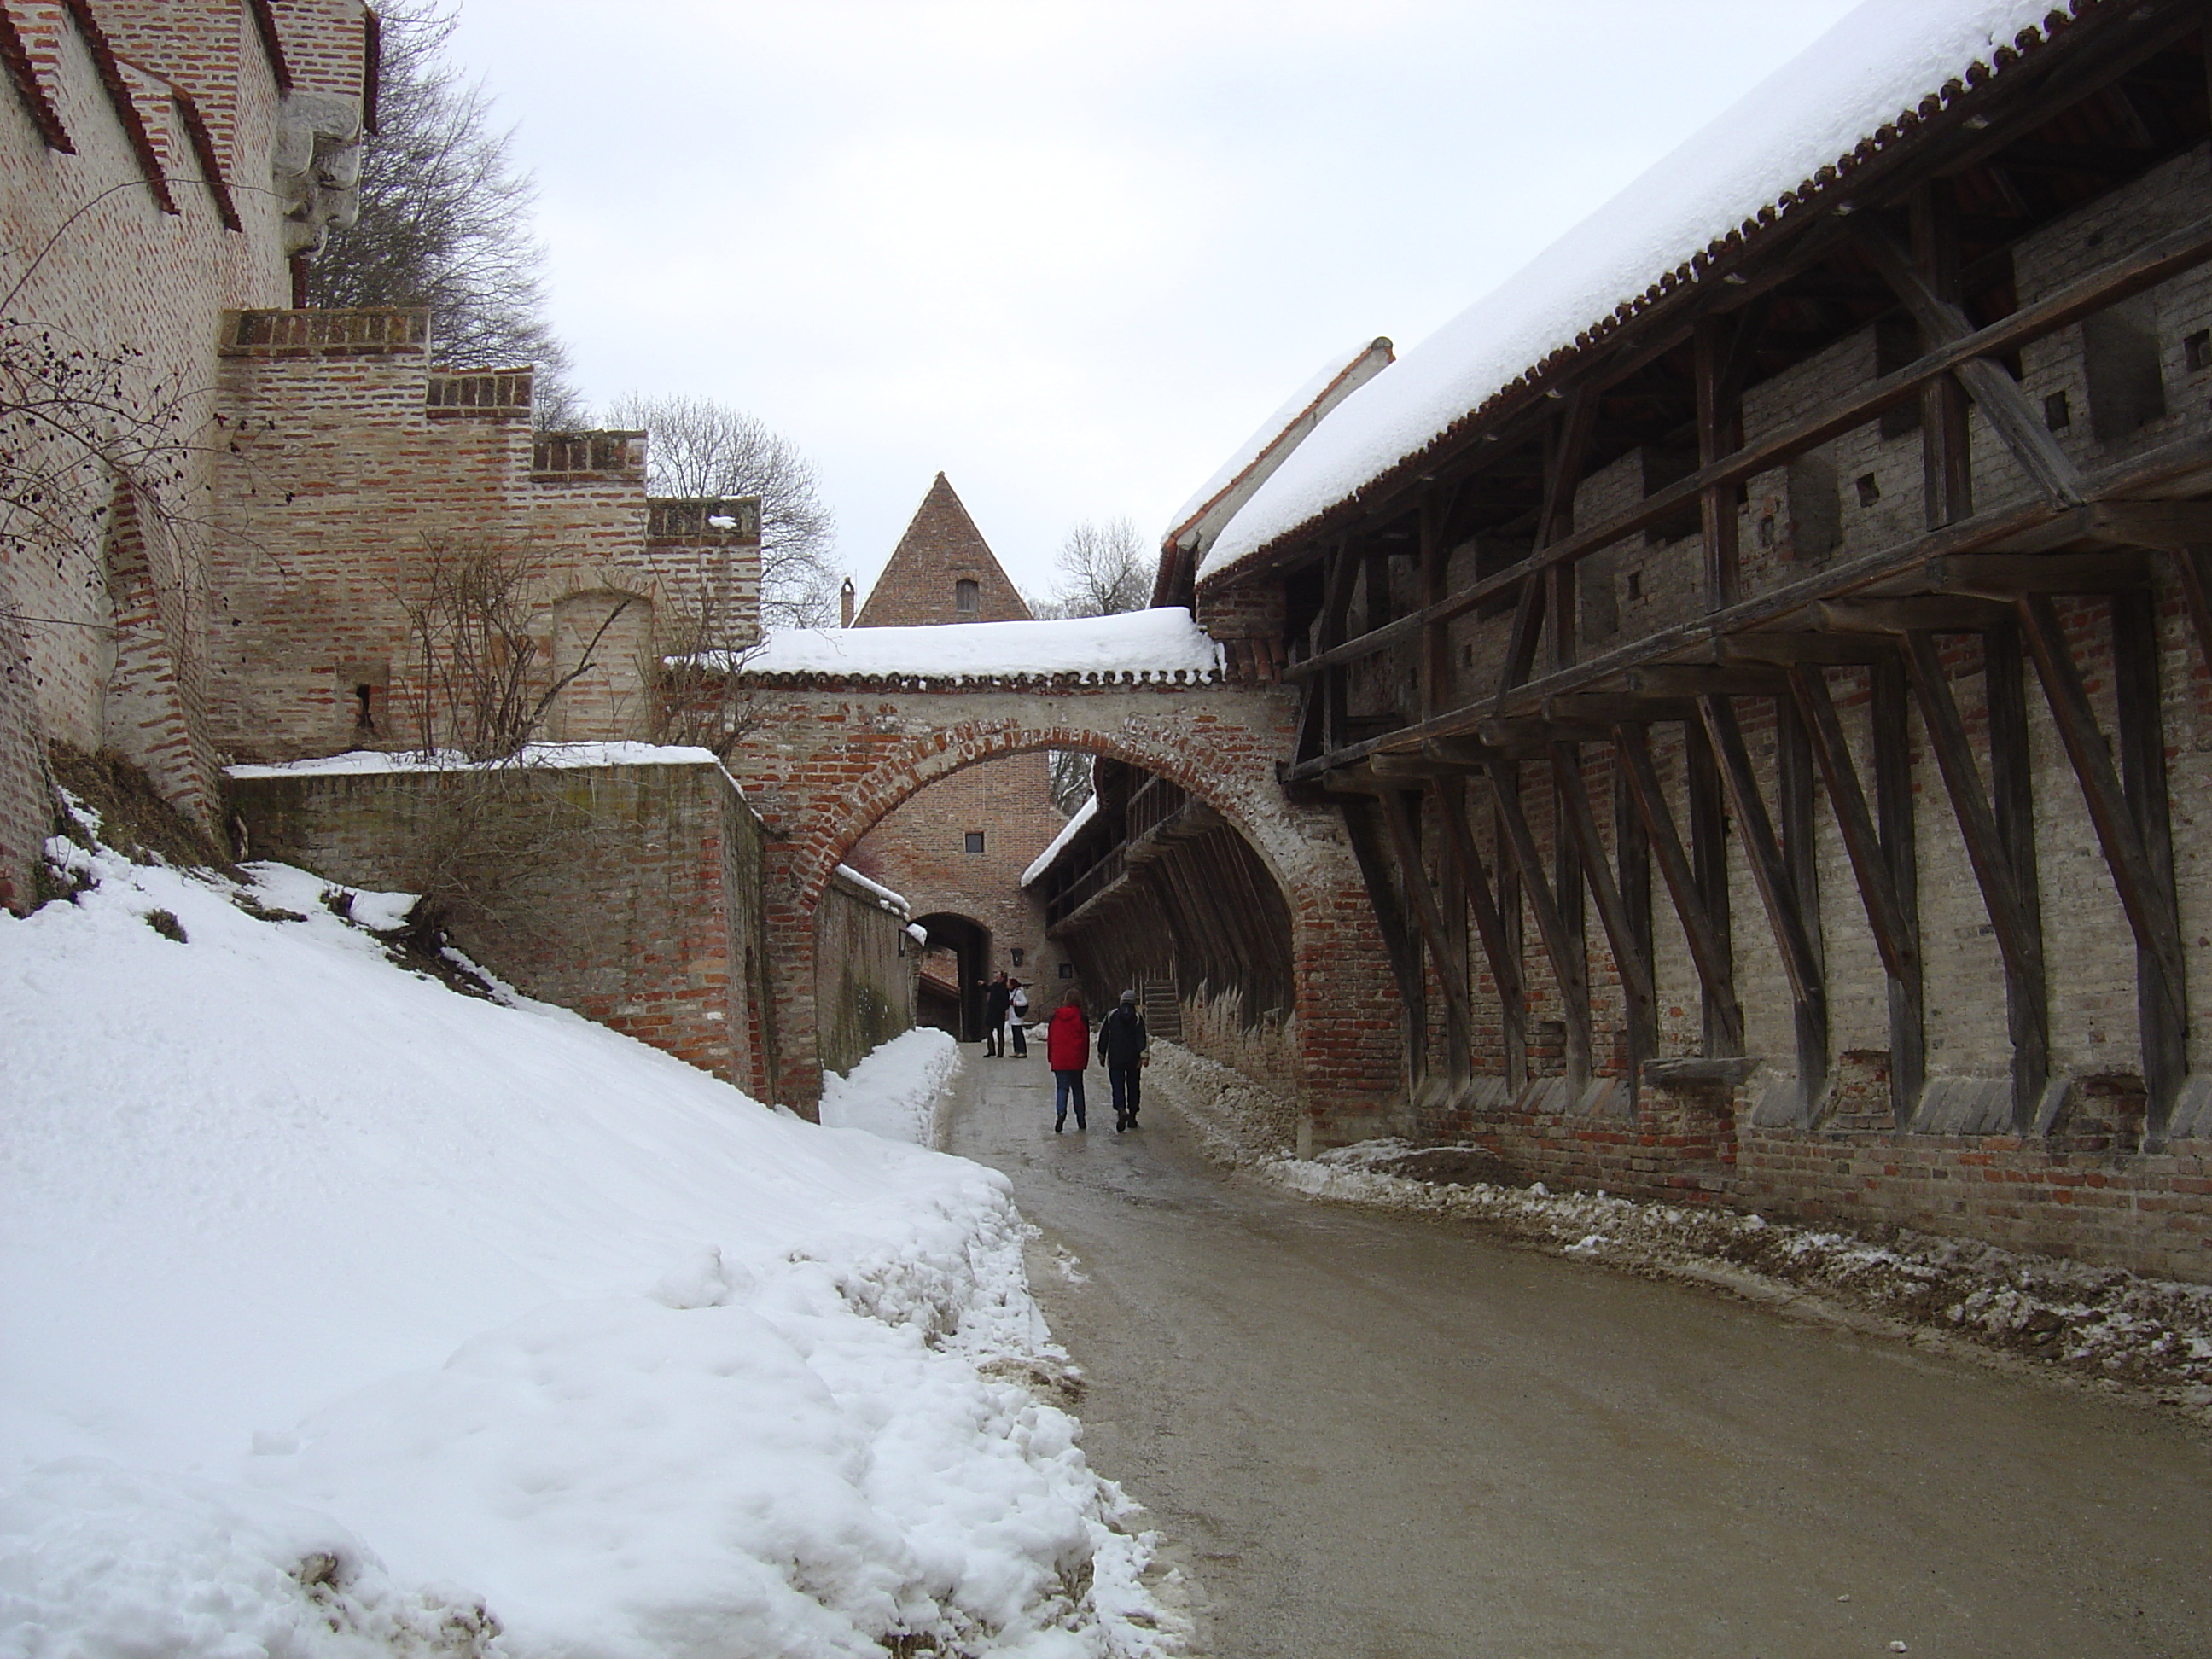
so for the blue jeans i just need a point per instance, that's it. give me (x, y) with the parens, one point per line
(1128, 1091)
(1066, 1085)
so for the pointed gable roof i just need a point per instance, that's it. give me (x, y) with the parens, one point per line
(941, 549)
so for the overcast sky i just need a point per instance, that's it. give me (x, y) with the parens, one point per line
(1068, 254)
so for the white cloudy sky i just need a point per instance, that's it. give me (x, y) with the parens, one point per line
(1069, 251)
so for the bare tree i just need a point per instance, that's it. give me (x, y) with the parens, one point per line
(703, 447)
(1104, 571)
(477, 687)
(445, 216)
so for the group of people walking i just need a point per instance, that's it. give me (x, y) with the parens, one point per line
(1121, 1042)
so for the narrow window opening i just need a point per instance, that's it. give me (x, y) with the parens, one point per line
(364, 717)
(966, 598)
(2119, 358)
(1869, 491)
(2057, 412)
(975, 841)
(1015, 954)
(2197, 349)
(1636, 580)
(1067, 971)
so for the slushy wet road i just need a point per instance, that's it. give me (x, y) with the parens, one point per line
(1370, 1436)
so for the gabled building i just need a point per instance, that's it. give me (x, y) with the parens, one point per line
(957, 848)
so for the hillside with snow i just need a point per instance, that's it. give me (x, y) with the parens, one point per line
(346, 1314)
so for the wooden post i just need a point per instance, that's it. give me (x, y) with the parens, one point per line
(1709, 942)
(1632, 853)
(1397, 942)
(1631, 953)
(1709, 864)
(1945, 457)
(1900, 850)
(1512, 917)
(1497, 920)
(1796, 807)
(1561, 944)
(1715, 434)
(1414, 877)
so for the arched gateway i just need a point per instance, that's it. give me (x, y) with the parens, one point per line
(834, 744)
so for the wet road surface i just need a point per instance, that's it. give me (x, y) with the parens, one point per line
(1370, 1436)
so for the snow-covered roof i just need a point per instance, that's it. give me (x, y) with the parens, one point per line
(894, 902)
(1068, 832)
(553, 755)
(1877, 74)
(1277, 435)
(1141, 644)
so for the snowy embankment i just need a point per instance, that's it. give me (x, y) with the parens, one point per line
(897, 1090)
(347, 1315)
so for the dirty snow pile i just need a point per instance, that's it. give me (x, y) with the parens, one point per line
(895, 1091)
(346, 1315)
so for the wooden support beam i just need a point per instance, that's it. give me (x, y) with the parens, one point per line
(1390, 923)
(1697, 680)
(1560, 945)
(1717, 424)
(1599, 710)
(2004, 576)
(1769, 868)
(1894, 932)
(1796, 809)
(1708, 948)
(1995, 392)
(2169, 525)
(1632, 856)
(2012, 792)
(2132, 273)
(1780, 650)
(1414, 877)
(1630, 953)
(1709, 864)
(2145, 888)
(1512, 913)
(1946, 452)
(2192, 567)
(2007, 893)
(2162, 999)
(1894, 816)
(1936, 614)
(1436, 665)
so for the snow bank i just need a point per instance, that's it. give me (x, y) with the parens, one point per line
(339, 1306)
(1068, 832)
(894, 1091)
(1879, 63)
(1140, 645)
(552, 755)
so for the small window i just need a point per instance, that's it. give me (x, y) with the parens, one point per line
(1067, 971)
(1869, 491)
(966, 598)
(1636, 581)
(975, 841)
(2057, 413)
(1016, 955)
(2198, 348)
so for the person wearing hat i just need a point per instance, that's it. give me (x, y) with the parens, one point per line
(1123, 1040)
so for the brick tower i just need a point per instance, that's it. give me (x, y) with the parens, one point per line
(958, 849)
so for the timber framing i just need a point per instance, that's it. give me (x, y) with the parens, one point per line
(1468, 612)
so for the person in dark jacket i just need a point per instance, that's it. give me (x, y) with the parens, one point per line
(1018, 1017)
(1067, 1051)
(1123, 1040)
(996, 999)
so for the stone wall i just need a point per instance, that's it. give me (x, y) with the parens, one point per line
(139, 141)
(866, 973)
(629, 893)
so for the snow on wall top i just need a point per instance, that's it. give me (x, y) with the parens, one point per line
(554, 755)
(1269, 434)
(1140, 645)
(1068, 832)
(1878, 66)
(894, 902)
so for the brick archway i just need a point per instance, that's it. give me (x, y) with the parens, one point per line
(826, 761)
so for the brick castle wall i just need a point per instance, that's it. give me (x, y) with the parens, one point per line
(865, 973)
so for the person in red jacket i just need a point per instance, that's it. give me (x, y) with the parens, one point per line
(1067, 1051)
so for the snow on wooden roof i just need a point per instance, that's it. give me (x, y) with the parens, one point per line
(1140, 645)
(1882, 71)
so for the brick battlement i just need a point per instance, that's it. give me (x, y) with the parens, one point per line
(674, 518)
(325, 333)
(499, 393)
(572, 457)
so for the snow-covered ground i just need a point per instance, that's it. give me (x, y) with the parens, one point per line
(346, 1315)
(895, 1092)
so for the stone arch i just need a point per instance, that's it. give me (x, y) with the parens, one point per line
(833, 761)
